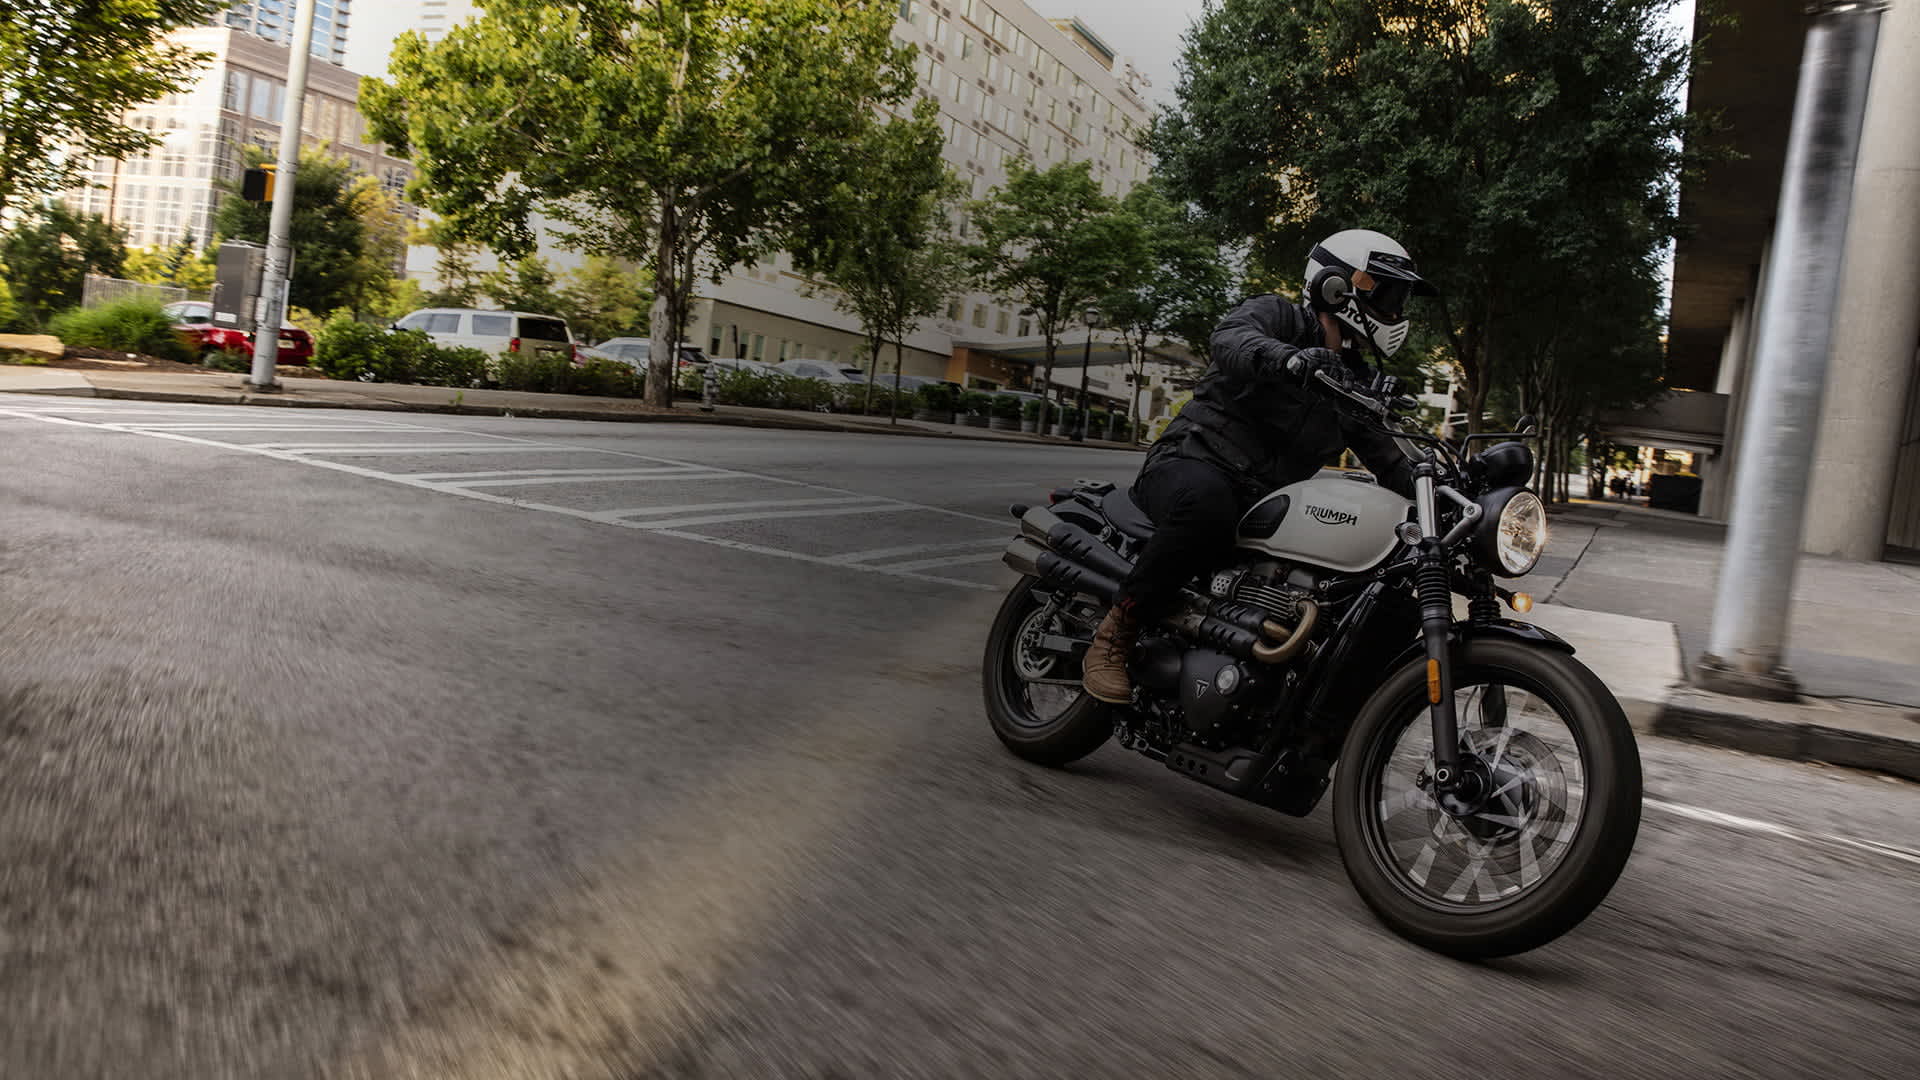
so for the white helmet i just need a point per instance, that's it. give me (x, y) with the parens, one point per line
(1363, 278)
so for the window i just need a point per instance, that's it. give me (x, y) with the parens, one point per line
(783, 354)
(1033, 93)
(937, 30)
(953, 310)
(993, 68)
(544, 330)
(1006, 118)
(759, 346)
(979, 144)
(980, 316)
(1026, 327)
(966, 8)
(909, 11)
(1000, 322)
(416, 321)
(235, 99)
(1026, 131)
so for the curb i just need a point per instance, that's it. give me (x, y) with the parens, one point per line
(1784, 730)
(537, 413)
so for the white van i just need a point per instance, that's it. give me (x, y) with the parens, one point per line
(496, 332)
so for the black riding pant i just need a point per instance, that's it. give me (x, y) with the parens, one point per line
(1196, 508)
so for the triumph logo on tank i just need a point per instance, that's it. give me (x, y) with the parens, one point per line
(1327, 515)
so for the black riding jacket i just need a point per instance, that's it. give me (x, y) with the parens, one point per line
(1261, 424)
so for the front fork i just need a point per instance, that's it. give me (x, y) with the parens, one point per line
(1434, 582)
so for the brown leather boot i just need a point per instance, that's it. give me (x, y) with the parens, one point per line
(1104, 670)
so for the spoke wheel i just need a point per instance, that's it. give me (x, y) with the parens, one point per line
(1537, 834)
(1048, 723)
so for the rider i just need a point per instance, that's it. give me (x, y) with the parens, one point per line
(1254, 425)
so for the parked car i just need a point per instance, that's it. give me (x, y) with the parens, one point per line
(636, 350)
(193, 324)
(820, 369)
(496, 332)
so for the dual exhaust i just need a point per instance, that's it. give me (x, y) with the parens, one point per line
(1063, 555)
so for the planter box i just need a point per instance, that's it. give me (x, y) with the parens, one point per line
(1006, 423)
(935, 417)
(971, 420)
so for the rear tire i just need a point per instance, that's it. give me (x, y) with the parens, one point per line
(1603, 836)
(1057, 740)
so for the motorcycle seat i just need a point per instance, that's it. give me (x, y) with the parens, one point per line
(1125, 516)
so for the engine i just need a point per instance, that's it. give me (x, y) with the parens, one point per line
(1269, 586)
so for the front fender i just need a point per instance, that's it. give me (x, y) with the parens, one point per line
(1511, 629)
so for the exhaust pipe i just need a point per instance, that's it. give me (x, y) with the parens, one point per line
(1049, 530)
(1027, 557)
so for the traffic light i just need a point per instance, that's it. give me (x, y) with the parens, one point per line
(256, 185)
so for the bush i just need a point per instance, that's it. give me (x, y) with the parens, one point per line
(227, 360)
(975, 403)
(346, 349)
(753, 389)
(801, 393)
(135, 326)
(935, 397)
(1030, 409)
(1006, 406)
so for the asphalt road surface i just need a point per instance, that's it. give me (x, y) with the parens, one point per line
(368, 745)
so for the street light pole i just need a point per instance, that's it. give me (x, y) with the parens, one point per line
(1092, 318)
(270, 309)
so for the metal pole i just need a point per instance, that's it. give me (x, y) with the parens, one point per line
(1746, 652)
(272, 310)
(1086, 359)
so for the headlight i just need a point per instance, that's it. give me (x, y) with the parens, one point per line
(1513, 532)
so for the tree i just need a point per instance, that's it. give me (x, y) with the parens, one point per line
(602, 300)
(883, 240)
(1514, 146)
(687, 135)
(1051, 240)
(346, 233)
(525, 285)
(1183, 285)
(69, 70)
(49, 256)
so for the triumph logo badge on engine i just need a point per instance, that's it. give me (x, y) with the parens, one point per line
(1327, 515)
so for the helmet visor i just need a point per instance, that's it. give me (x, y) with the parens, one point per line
(1387, 300)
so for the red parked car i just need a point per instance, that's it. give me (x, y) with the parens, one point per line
(193, 321)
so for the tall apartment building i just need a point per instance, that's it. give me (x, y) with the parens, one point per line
(168, 192)
(1010, 84)
(273, 20)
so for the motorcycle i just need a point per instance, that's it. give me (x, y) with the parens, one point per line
(1488, 790)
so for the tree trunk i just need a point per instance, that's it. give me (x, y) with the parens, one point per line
(899, 361)
(664, 329)
(1046, 381)
(874, 345)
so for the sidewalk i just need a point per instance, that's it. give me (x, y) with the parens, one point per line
(221, 388)
(1633, 590)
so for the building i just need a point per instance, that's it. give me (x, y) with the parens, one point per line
(170, 192)
(273, 20)
(1010, 84)
(1865, 489)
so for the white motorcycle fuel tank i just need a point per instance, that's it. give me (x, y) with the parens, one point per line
(1330, 522)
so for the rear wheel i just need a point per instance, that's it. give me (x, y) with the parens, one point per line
(1549, 822)
(1033, 696)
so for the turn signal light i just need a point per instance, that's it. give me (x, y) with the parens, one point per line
(1433, 681)
(1521, 602)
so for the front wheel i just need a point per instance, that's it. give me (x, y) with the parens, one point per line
(1034, 700)
(1553, 809)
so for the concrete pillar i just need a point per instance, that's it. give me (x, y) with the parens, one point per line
(1737, 385)
(1878, 321)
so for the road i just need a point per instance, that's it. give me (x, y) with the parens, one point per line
(368, 745)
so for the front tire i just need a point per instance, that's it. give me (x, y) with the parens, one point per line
(1539, 857)
(1054, 729)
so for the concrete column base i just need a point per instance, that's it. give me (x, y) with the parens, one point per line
(1711, 673)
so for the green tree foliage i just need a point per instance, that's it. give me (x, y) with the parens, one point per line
(601, 300)
(1518, 147)
(883, 240)
(1181, 288)
(687, 135)
(69, 70)
(526, 285)
(49, 256)
(130, 325)
(1051, 241)
(347, 232)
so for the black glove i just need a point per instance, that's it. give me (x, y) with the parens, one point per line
(1307, 363)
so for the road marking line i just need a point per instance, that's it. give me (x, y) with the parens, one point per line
(394, 448)
(651, 528)
(691, 507)
(721, 519)
(950, 560)
(1783, 832)
(268, 427)
(638, 474)
(913, 549)
(491, 474)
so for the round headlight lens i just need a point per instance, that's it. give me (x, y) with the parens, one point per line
(1522, 533)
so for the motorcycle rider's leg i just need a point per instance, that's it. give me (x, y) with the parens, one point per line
(1194, 508)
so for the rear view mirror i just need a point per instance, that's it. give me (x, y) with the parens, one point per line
(1528, 424)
